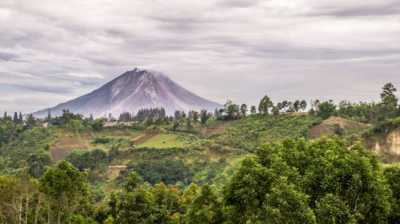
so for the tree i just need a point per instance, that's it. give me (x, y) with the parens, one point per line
(15, 118)
(166, 204)
(326, 109)
(204, 116)
(256, 194)
(135, 207)
(232, 110)
(389, 101)
(296, 105)
(205, 209)
(388, 96)
(392, 175)
(30, 121)
(189, 126)
(16, 203)
(98, 125)
(253, 110)
(303, 105)
(178, 115)
(6, 117)
(286, 204)
(37, 163)
(75, 125)
(195, 116)
(265, 105)
(64, 187)
(132, 181)
(48, 115)
(168, 171)
(243, 110)
(332, 210)
(275, 110)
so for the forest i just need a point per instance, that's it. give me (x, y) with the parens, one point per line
(277, 162)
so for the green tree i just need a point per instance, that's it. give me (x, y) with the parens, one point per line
(258, 194)
(392, 175)
(303, 105)
(205, 209)
(243, 110)
(232, 110)
(98, 124)
(15, 118)
(275, 110)
(64, 187)
(389, 102)
(135, 207)
(167, 206)
(37, 163)
(204, 116)
(286, 204)
(132, 181)
(253, 110)
(388, 95)
(296, 105)
(332, 210)
(326, 109)
(265, 105)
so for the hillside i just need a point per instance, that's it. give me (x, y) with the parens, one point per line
(164, 162)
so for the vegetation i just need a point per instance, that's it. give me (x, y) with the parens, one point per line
(239, 164)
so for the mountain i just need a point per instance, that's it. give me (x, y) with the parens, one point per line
(132, 91)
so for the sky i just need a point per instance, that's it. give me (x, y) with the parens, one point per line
(52, 50)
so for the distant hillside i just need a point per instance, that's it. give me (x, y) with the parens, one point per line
(132, 91)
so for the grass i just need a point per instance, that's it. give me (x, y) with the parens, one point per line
(164, 141)
(67, 141)
(252, 131)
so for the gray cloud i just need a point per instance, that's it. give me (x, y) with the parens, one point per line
(54, 50)
(4, 56)
(386, 8)
(36, 88)
(238, 3)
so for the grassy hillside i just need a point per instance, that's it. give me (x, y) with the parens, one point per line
(254, 130)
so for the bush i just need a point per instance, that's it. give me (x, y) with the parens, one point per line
(166, 171)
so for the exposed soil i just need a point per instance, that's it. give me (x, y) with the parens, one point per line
(215, 129)
(67, 143)
(333, 125)
(114, 171)
(386, 146)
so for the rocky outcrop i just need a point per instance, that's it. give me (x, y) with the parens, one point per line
(386, 145)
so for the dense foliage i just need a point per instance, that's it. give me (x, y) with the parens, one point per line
(295, 181)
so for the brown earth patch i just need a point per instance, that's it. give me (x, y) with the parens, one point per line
(114, 171)
(215, 129)
(68, 142)
(335, 125)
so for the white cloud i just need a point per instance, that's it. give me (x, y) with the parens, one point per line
(220, 49)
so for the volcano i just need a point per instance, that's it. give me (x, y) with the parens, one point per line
(132, 91)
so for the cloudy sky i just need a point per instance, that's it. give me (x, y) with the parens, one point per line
(53, 50)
